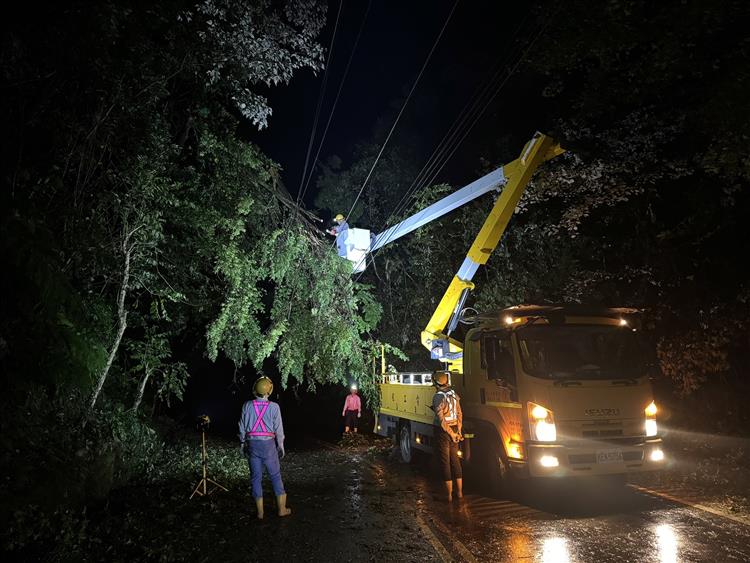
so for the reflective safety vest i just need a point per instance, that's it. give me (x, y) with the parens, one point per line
(260, 428)
(452, 400)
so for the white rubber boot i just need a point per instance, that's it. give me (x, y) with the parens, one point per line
(281, 501)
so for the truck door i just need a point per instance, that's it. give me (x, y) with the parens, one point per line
(501, 388)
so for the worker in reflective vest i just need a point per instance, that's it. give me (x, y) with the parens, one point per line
(448, 432)
(262, 443)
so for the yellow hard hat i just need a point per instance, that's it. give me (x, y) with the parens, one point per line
(262, 386)
(339, 217)
(440, 378)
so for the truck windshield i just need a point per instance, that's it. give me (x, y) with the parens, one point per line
(579, 352)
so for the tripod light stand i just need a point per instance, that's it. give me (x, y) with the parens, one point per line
(202, 487)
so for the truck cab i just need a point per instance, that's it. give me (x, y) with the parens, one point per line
(546, 391)
(563, 389)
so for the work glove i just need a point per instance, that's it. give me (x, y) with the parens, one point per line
(242, 448)
(359, 415)
(281, 452)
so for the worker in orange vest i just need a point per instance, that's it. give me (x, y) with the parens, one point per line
(448, 432)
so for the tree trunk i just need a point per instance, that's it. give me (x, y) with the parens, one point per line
(122, 320)
(141, 389)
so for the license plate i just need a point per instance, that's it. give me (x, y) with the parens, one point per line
(609, 456)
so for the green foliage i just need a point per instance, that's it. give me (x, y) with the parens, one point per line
(338, 185)
(158, 201)
(56, 453)
(133, 203)
(691, 359)
(257, 42)
(316, 319)
(51, 334)
(151, 356)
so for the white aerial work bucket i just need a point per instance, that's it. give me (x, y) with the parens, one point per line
(354, 244)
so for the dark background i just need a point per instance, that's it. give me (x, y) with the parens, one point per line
(396, 38)
(480, 40)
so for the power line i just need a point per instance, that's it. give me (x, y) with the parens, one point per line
(448, 139)
(398, 117)
(495, 91)
(450, 135)
(335, 102)
(455, 129)
(321, 95)
(487, 103)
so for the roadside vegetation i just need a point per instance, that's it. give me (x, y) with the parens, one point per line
(140, 227)
(647, 209)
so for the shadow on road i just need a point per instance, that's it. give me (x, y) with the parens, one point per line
(564, 498)
(584, 498)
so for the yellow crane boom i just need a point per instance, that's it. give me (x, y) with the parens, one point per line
(436, 335)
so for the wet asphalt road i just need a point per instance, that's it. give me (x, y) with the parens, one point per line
(569, 522)
(361, 504)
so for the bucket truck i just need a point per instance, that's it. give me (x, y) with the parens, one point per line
(547, 391)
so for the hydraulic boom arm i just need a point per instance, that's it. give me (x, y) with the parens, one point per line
(516, 175)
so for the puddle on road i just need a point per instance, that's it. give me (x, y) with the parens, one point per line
(570, 522)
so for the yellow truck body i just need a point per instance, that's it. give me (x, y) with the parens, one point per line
(546, 392)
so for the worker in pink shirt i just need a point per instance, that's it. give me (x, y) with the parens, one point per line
(352, 410)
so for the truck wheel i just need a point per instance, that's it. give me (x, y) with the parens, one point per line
(404, 443)
(492, 468)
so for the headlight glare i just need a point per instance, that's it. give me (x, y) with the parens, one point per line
(545, 431)
(541, 423)
(548, 461)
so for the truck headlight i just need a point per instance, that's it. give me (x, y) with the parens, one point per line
(650, 426)
(542, 423)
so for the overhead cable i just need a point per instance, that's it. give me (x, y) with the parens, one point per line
(335, 102)
(448, 139)
(494, 92)
(321, 95)
(400, 113)
(448, 142)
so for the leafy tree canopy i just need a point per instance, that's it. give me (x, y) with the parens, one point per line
(154, 225)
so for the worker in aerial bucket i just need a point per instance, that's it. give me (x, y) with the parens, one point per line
(448, 432)
(339, 231)
(262, 443)
(352, 410)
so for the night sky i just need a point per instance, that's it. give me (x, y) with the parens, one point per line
(478, 40)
